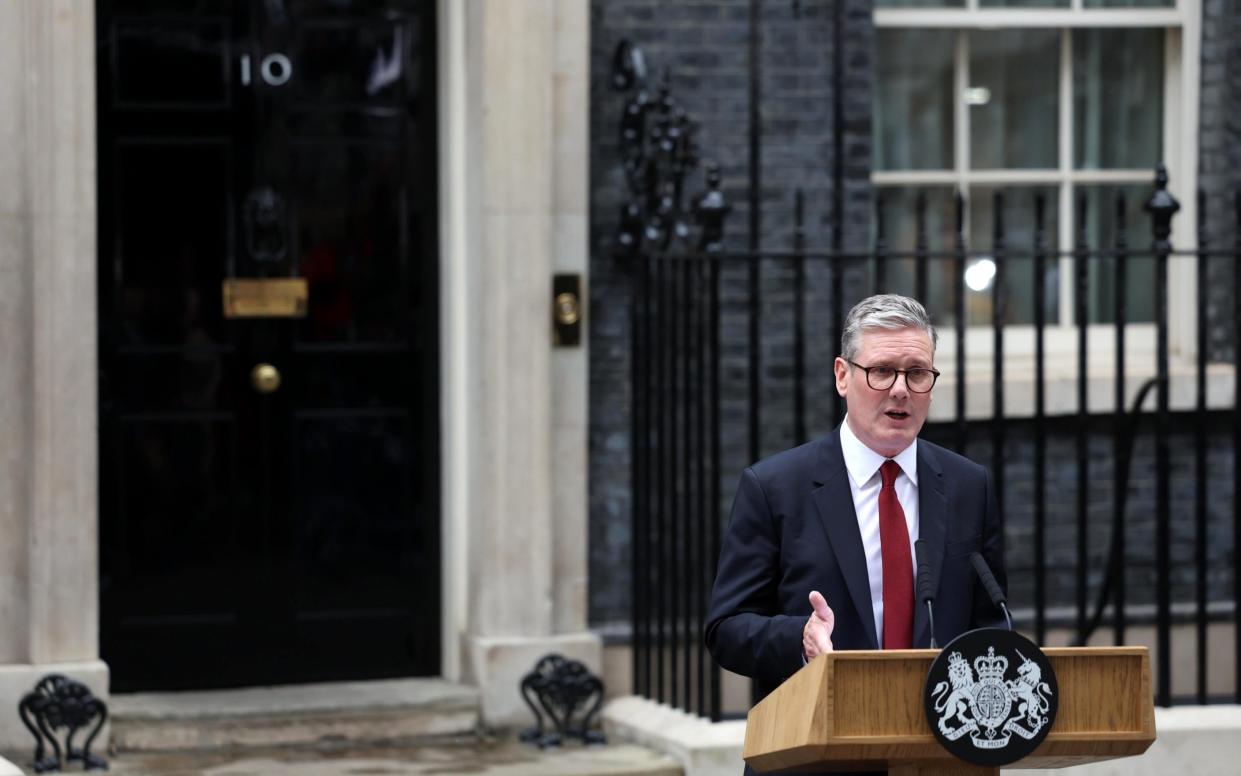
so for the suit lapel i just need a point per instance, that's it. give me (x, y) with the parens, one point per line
(932, 527)
(834, 501)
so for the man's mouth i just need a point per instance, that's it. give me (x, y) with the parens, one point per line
(897, 414)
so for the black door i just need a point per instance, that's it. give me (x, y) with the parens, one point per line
(269, 485)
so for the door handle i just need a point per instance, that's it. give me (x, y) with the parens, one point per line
(566, 309)
(265, 378)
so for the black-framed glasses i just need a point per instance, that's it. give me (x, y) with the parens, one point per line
(881, 378)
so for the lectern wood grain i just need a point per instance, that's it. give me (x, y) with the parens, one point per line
(847, 709)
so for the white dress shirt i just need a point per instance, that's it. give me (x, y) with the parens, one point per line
(865, 483)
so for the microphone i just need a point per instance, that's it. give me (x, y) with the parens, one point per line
(992, 587)
(926, 593)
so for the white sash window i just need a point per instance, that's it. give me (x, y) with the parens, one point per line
(1059, 98)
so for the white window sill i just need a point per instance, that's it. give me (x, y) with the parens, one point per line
(1061, 386)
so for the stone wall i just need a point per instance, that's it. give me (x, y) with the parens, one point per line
(49, 586)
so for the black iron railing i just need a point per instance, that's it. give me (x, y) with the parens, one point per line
(705, 342)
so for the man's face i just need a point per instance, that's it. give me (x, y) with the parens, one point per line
(886, 421)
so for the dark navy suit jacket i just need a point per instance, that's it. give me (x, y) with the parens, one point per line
(794, 529)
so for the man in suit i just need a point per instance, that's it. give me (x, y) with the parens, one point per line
(819, 549)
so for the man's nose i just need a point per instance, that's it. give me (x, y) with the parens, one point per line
(900, 386)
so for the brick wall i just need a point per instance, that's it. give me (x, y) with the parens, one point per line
(1061, 516)
(1219, 153)
(706, 45)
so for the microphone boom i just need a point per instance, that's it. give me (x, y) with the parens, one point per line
(991, 586)
(926, 593)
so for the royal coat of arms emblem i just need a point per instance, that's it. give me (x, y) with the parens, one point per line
(981, 705)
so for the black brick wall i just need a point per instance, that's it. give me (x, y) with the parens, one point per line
(706, 45)
(1219, 153)
(1061, 517)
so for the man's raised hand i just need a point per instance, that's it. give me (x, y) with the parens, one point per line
(816, 637)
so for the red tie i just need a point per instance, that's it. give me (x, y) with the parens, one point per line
(898, 578)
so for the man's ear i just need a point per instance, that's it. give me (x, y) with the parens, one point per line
(841, 368)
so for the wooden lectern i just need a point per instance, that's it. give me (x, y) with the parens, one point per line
(863, 710)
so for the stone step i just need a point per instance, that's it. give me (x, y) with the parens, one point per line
(474, 755)
(389, 710)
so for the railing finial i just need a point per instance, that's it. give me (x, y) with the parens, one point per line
(710, 210)
(658, 150)
(1162, 206)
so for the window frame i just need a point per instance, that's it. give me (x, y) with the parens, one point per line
(1182, 64)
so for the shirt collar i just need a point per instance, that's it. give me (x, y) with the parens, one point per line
(862, 462)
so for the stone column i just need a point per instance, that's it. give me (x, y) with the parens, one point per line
(571, 365)
(48, 493)
(513, 194)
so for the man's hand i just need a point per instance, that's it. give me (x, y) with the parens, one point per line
(816, 637)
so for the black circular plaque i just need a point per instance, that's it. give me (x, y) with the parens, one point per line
(991, 697)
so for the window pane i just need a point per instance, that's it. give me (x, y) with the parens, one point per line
(919, 3)
(1128, 3)
(900, 209)
(1024, 3)
(1102, 229)
(1117, 98)
(1019, 225)
(913, 101)
(1014, 118)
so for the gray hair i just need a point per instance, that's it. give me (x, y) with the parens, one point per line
(884, 311)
